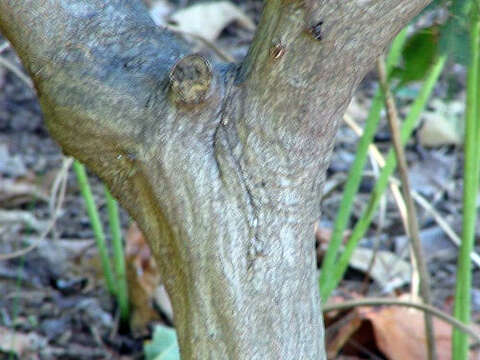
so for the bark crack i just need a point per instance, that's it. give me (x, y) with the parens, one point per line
(223, 134)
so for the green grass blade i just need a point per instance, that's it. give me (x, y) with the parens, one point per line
(364, 222)
(96, 224)
(355, 174)
(470, 190)
(118, 256)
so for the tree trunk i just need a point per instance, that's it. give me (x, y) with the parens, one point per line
(221, 165)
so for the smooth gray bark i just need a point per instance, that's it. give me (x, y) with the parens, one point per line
(222, 166)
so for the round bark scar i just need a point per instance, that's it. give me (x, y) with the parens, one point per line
(191, 78)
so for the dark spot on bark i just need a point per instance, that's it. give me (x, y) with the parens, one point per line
(131, 156)
(133, 63)
(316, 30)
(277, 51)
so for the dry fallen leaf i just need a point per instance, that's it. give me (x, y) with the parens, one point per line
(395, 332)
(142, 278)
(400, 333)
(388, 270)
(336, 342)
(208, 19)
(14, 193)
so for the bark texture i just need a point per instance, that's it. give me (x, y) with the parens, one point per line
(221, 165)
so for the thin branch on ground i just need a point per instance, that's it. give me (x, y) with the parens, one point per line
(14, 69)
(394, 302)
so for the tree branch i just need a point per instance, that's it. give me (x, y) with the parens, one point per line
(314, 54)
(305, 61)
(96, 68)
(222, 167)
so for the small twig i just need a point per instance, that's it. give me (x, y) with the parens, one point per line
(412, 213)
(14, 69)
(26, 250)
(447, 229)
(394, 185)
(372, 148)
(59, 187)
(116, 325)
(4, 46)
(443, 224)
(394, 302)
(59, 181)
(62, 175)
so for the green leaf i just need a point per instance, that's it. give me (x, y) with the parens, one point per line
(454, 34)
(419, 54)
(163, 346)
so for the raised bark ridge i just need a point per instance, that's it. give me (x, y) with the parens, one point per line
(222, 166)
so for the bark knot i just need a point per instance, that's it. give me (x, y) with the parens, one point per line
(191, 79)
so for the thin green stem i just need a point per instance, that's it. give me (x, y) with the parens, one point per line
(355, 175)
(118, 256)
(470, 191)
(96, 224)
(364, 222)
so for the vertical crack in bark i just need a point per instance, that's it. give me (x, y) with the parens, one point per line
(224, 133)
(255, 247)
